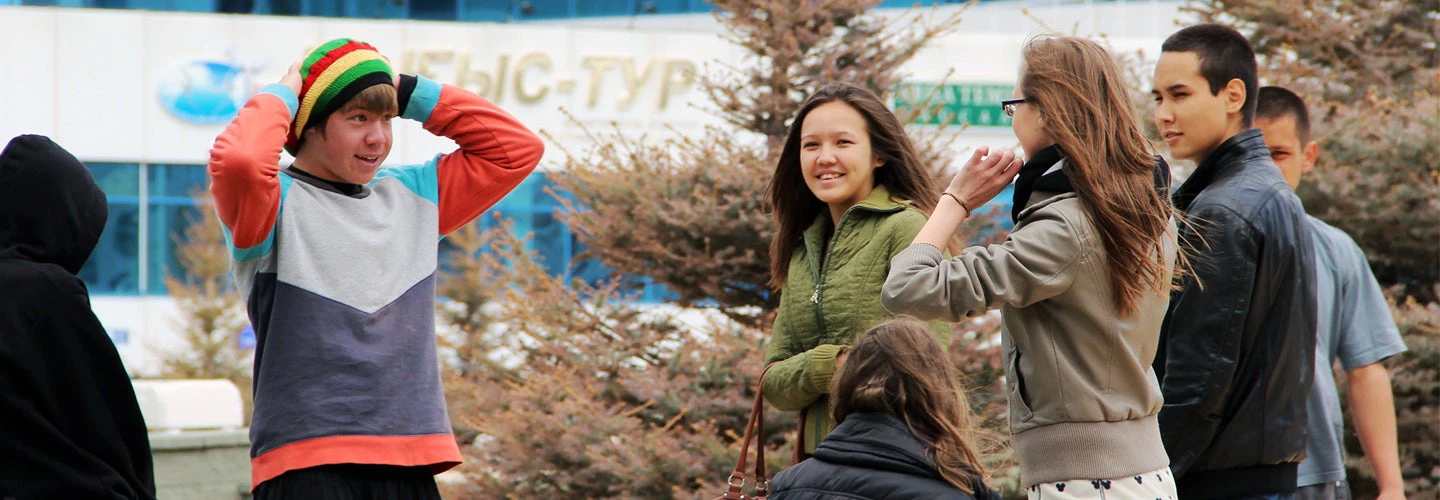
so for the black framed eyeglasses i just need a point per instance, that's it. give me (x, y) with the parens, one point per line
(1009, 106)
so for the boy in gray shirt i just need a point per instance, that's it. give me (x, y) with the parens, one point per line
(1354, 325)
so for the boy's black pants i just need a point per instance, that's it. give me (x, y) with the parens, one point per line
(351, 482)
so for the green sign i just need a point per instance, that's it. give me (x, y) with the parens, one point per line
(977, 104)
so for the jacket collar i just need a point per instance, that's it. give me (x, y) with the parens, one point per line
(1044, 173)
(878, 201)
(1228, 158)
(879, 441)
(1045, 200)
(876, 441)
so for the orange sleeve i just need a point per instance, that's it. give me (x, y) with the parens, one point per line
(244, 166)
(496, 151)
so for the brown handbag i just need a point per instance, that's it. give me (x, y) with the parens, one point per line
(754, 431)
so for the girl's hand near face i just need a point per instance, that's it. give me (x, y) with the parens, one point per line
(984, 175)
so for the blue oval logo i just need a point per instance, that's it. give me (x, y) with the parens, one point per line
(204, 92)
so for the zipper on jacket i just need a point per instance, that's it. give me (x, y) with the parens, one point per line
(821, 272)
(824, 261)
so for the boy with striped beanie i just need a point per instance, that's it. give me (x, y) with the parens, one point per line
(336, 258)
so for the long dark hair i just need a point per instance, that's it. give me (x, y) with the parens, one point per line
(899, 369)
(1080, 94)
(795, 207)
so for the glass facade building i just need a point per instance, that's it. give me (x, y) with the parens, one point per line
(151, 205)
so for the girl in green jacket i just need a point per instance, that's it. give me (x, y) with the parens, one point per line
(849, 192)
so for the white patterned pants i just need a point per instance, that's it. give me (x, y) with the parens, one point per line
(1153, 485)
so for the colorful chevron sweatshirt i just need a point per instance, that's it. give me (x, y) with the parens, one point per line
(341, 288)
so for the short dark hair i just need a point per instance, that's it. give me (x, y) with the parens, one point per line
(1279, 102)
(1224, 55)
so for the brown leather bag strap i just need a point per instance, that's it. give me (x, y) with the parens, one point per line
(799, 453)
(754, 431)
(762, 485)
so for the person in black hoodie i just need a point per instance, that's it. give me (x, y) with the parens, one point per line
(903, 426)
(1237, 349)
(69, 423)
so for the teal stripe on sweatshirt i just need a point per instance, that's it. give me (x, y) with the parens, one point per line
(422, 179)
(292, 102)
(423, 99)
(262, 249)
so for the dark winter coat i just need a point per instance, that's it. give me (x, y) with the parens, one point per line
(69, 424)
(869, 455)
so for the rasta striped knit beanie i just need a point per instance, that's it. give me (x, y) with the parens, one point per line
(332, 74)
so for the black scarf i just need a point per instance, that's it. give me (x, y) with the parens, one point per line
(1033, 178)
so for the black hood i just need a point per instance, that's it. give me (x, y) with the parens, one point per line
(51, 210)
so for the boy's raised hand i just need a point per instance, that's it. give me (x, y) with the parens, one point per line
(292, 78)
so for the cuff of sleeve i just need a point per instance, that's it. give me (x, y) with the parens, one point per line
(421, 99)
(1374, 355)
(402, 93)
(917, 254)
(822, 366)
(292, 102)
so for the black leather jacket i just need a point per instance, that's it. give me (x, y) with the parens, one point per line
(869, 455)
(1236, 352)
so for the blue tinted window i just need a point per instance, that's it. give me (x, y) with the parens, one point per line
(193, 5)
(533, 212)
(239, 7)
(279, 7)
(606, 8)
(167, 227)
(673, 6)
(588, 270)
(164, 209)
(495, 11)
(114, 266)
(176, 181)
(435, 10)
(327, 8)
(55, 3)
(545, 9)
(117, 179)
(172, 206)
(548, 238)
(1000, 208)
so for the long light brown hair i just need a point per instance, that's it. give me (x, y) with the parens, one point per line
(790, 199)
(898, 368)
(1085, 108)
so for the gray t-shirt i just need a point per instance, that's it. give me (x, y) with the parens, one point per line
(1354, 326)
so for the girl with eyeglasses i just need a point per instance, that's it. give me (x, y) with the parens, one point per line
(1082, 282)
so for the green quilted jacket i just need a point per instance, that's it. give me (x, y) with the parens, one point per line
(829, 299)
